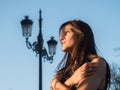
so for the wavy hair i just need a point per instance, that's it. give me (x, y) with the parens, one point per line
(84, 51)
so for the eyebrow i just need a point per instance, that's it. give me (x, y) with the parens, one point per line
(70, 29)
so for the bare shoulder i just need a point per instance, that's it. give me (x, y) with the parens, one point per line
(94, 81)
(100, 61)
(101, 64)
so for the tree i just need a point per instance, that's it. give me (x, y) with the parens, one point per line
(115, 77)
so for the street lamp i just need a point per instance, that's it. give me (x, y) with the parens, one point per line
(37, 46)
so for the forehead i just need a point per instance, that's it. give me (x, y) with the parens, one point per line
(67, 27)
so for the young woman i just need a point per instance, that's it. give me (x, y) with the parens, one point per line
(81, 67)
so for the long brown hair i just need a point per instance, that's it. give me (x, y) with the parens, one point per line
(84, 51)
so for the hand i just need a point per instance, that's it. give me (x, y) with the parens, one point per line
(85, 70)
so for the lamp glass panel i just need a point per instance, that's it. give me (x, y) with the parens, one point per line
(52, 49)
(27, 30)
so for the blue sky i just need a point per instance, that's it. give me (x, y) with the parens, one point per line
(19, 66)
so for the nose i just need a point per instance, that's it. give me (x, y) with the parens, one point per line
(61, 37)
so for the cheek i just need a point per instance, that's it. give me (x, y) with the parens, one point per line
(72, 41)
(75, 39)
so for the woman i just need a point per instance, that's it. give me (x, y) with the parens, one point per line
(81, 67)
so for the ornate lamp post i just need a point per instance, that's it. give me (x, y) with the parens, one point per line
(37, 46)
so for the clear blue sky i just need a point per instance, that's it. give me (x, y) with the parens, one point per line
(19, 66)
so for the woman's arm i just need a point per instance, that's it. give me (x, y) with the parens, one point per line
(86, 70)
(93, 82)
(78, 75)
(57, 85)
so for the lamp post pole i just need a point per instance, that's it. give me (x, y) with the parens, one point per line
(38, 46)
(40, 43)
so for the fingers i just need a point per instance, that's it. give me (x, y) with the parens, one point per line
(89, 66)
(88, 69)
(92, 68)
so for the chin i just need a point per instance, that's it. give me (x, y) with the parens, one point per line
(63, 49)
(66, 50)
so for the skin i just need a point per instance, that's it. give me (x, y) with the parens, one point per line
(83, 77)
(68, 40)
(97, 80)
(76, 78)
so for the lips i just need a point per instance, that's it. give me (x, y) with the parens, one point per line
(62, 43)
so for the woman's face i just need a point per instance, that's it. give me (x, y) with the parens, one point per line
(68, 38)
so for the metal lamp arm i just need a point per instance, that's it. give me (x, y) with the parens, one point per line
(28, 44)
(35, 48)
(46, 56)
(31, 46)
